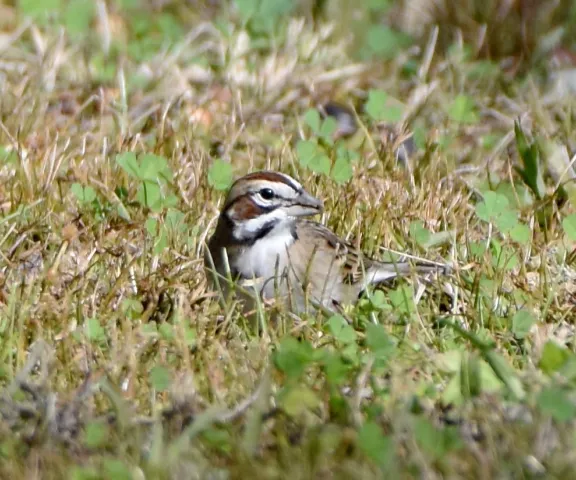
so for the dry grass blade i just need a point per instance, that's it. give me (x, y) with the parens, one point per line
(121, 126)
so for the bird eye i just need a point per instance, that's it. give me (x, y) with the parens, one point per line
(267, 193)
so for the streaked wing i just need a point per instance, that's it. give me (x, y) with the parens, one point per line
(356, 269)
(348, 258)
(330, 268)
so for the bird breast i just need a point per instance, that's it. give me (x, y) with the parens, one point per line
(261, 258)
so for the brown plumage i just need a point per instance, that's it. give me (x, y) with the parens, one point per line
(272, 250)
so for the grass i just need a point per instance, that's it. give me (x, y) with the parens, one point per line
(121, 128)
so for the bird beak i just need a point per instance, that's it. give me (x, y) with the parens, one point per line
(305, 205)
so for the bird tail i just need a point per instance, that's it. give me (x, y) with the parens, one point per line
(382, 272)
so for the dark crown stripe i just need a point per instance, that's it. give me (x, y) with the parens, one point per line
(273, 177)
(268, 176)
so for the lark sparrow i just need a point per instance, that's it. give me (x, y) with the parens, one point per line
(262, 236)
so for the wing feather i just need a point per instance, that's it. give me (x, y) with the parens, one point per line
(351, 271)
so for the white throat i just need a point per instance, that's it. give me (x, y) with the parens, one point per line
(246, 230)
(261, 258)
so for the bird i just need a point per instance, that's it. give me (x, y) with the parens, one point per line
(265, 244)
